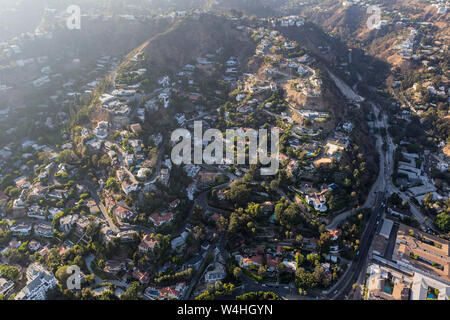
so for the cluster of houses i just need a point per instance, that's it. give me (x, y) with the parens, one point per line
(408, 264)
(407, 46)
(39, 281)
(414, 174)
(299, 74)
(12, 54)
(415, 170)
(253, 258)
(121, 138)
(169, 292)
(274, 258)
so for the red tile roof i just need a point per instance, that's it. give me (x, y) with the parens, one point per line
(254, 260)
(148, 243)
(160, 218)
(334, 233)
(123, 213)
(143, 277)
(272, 262)
(174, 203)
(173, 291)
(136, 127)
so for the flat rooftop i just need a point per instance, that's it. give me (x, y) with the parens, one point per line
(424, 288)
(423, 251)
(386, 228)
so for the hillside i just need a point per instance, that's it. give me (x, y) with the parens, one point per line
(350, 22)
(188, 39)
(17, 17)
(113, 38)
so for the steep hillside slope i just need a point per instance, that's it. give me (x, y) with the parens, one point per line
(350, 22)
(188, 39)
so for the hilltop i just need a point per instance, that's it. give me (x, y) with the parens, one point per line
(188, 39)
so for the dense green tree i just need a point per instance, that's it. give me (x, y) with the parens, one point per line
(132, 292)
(442, 221)
(10, 272)
(239, 194)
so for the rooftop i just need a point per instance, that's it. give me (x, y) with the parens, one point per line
(422, 251)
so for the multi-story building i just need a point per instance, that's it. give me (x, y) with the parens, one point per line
(6, 286)
(39, 281)
(423, 252)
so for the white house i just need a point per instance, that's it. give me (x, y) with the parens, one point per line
(101, 131)
(179, 242)
(66, 223)
(217, 273)
(317, 200)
